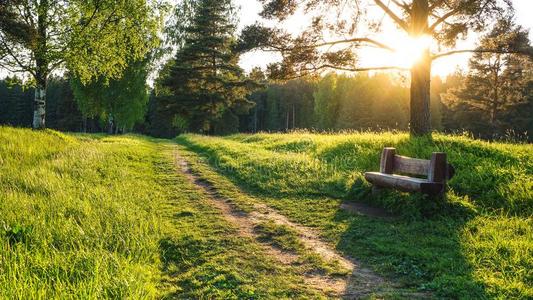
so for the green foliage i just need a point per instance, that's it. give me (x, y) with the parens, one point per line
(334, 102)
(121, 102)
(326, 102)
(204, 82)
(495, 85)
(16, 102)
(90, 39)
(477, 243)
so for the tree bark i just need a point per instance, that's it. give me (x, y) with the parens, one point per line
(110, 123)
(41, 68)
(420, 120)
(39, 106)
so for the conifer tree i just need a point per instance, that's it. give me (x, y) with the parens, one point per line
(496, 82)
(205, 82)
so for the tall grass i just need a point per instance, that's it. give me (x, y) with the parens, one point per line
(99, 217)
(489, 176)
(79, 217)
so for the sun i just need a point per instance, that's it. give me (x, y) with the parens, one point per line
(410, 50)
(407, 50)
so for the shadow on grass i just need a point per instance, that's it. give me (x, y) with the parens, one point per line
(423, 254)
(423, 251)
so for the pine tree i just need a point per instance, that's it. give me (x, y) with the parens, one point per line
(496, 81)
(205, 81)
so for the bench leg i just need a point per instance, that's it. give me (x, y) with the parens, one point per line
(376, 190)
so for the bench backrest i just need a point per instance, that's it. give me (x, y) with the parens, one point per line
(437, 169)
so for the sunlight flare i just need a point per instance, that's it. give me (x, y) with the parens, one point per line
(411, 50)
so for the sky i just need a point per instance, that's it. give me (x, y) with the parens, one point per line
(249, 14)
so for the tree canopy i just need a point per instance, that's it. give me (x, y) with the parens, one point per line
(203, 82)
(496, 83)
(89, 38)
(444, 21)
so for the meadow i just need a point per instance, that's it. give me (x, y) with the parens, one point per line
(97, 216)
(475, 244)
(108, 217)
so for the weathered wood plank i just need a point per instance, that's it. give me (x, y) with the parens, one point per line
(404, 183)
(438, 168)
(387, 161)
(407, 165)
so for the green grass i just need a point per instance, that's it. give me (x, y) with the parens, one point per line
(280, 236)
(92, 217)
(478, 243)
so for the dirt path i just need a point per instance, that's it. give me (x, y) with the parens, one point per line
(360, 283)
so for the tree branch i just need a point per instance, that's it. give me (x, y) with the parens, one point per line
(355, 40)
(495, 51)
(443, 19)
(403, 5)
(391, 14)
(436, 4)
(332, 43)
(19, 63)
(329, 66)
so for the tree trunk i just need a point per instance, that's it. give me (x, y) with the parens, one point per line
(41, 68)
(420, 122)
(255, 119)
(495, 100)
(39, 106)
(287, 121)
(293, 117)
(110, 125)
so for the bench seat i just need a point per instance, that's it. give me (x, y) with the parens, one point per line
(404, 183)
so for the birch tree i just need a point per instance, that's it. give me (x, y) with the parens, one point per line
(442, 21)
(90, 38)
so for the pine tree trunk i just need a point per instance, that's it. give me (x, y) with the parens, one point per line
(420, 122)
(255, 119)
(287, 121)
(293, 117)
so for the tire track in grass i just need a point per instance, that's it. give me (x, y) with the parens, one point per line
(360, 283)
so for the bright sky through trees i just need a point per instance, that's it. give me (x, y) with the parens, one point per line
(389, 35)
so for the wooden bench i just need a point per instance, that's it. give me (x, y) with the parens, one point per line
(437, 172)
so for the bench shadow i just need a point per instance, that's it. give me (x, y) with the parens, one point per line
(423, 254)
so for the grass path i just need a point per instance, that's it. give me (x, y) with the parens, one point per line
(290, 243)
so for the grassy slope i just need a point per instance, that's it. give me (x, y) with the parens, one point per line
(477, 244)
(108, 217)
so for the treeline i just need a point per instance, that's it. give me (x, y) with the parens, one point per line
(381, 102)
(16, 103)
(335, 102)
(202, 89)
